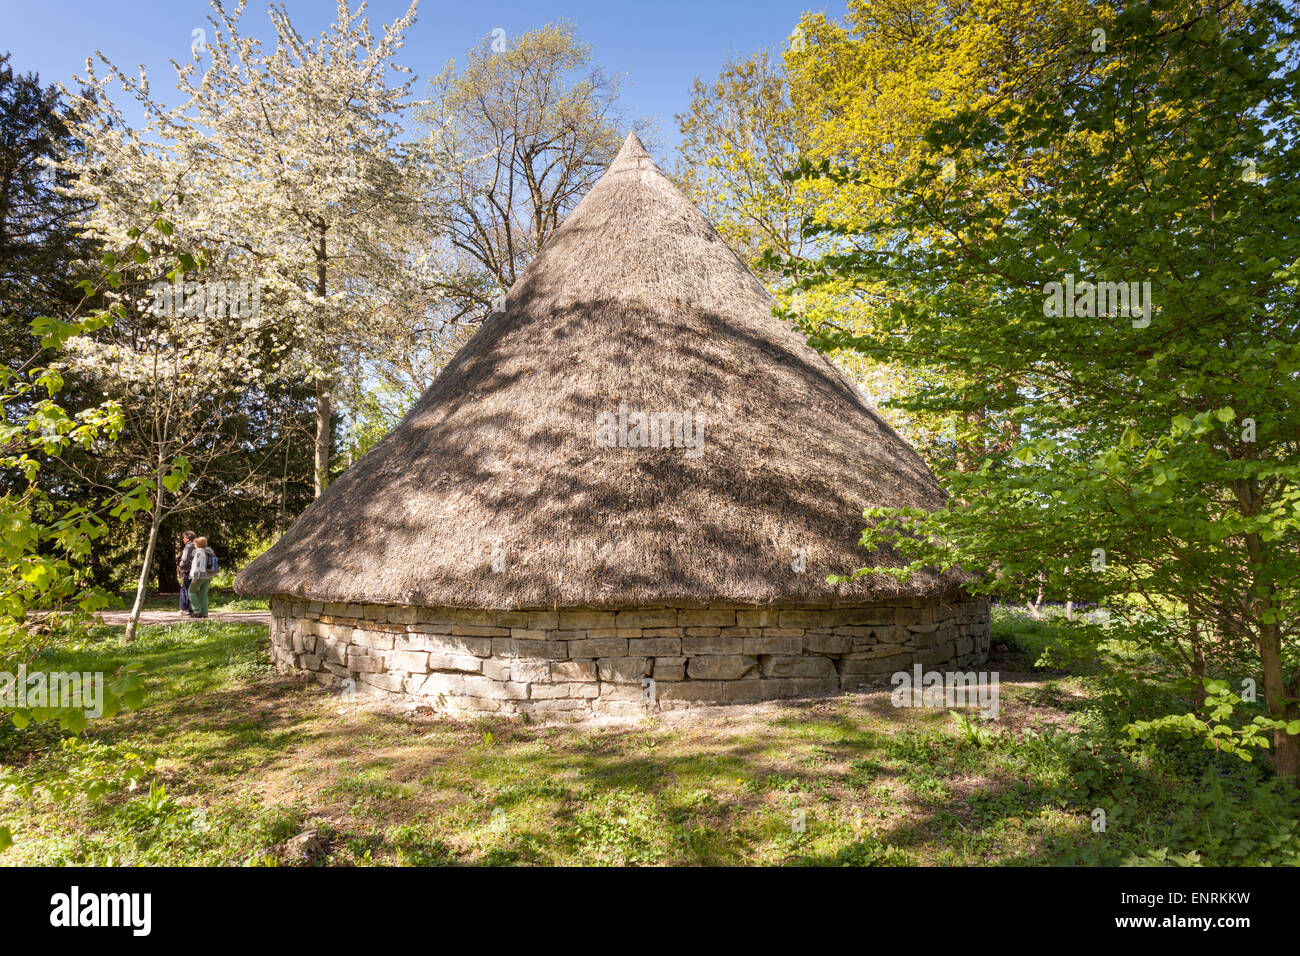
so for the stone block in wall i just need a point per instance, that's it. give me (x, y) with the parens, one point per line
(476, 686)
(870, 651)
(433, 685)
(443, 644)
(666, 617)
(530, 634)
(403, 615)
(624, 670)
(707, 617)
(859, 616)
(654, 646)
(309, 662)
(875, 665)
(882, 634)
(695, 646)
(583, 620)
(333, 650)
(819, 642)
(799, 618)
(338, 670)
(941, 654)
(336, 632)
(416, 662)
(765, 617)
(603, 647)
(476, 705)
(509, 648)
(473, 617)
(610, 690)
(653, 632)
(495, 669)
(574, 671)
(772, 645)
(703, 632)
(575, 691)
(429, 627)
(669, 668)
(783, 632)
(375, 640)
(720, 666)
(365, 661)
(618, 708)
(478, 630)
(390, 681)
(526, 672)
(543, 706)
(782, 665)
(511, 619)
(694, 690)
(544, 620)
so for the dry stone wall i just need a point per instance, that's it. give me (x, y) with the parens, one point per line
(619, 661)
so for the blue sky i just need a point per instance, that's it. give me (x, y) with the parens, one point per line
(660, 45)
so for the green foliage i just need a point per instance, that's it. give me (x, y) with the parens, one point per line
(1141, 457)
(973, 734)
(1215, 731)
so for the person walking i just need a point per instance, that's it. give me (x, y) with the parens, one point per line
(183, 569)
(203, 568)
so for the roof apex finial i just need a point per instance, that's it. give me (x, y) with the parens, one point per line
(632, 148)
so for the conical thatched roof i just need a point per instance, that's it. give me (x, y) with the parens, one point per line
(635, 300)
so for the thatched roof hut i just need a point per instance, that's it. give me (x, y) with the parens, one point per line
(525, 478)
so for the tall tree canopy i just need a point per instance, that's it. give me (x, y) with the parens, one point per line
(1128, 316)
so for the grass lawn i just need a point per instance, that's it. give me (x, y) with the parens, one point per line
(244, 759)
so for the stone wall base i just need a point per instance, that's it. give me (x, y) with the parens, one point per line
(621, 662)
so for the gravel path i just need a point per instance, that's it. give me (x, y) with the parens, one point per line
(120, 618)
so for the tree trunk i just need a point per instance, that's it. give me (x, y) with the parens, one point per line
(324, 412)
(284, 488)
(324, 388)
(142, 588)
(1280, 702)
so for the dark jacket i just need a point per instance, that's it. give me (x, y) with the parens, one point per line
(187, 558)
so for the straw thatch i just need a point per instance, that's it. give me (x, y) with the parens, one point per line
(634, 300)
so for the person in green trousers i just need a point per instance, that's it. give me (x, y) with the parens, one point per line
(202, 571)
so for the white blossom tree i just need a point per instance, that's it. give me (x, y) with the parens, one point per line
(292, 163)
(281, 174)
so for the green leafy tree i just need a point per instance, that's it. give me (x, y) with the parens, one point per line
(1130, 317)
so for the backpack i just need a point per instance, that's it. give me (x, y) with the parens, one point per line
(207, 568)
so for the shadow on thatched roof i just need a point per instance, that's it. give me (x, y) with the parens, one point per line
(634, 301)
